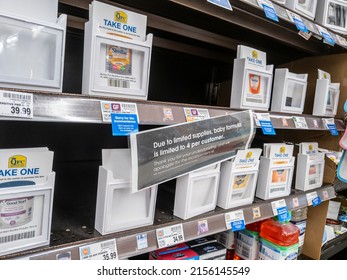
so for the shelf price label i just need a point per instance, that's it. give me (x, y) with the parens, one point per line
(330, 124)
(341, 40)
(170, 235)
(196, 114)
(297, 20)
(313, 199)
(235, 220)
(105, 250)
(326, 35)
(264, 121)
(141, 240)
(16, 104)
(221, 3)
(269, 9)
(279, 208)
(300, 122)
(109, 107)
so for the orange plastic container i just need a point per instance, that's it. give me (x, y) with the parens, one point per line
(282, 234)
(278, 240)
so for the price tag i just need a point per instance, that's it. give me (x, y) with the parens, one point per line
(141, 240)
(279, 208)
(169, 236)
(330, 124)
(325, 195)
(196, 114)
(235, 220)
(300, 122)
(326, 35)
(305, 35)
(105, 250)
(341, 40)
(256, 213)
(202, 227)
(313, 199)
(222, 3)
(269, 9)
(109, 107)
(295, 202)
(300, 25)
(264, 121)
(16, 104)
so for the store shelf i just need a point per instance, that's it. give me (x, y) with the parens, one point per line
(76, 108)
(334, 246)
(73, 237)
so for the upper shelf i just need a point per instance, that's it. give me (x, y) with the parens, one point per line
(77, 108)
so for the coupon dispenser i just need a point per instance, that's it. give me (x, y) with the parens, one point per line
(326, 96)
(117, 53)
(117, 208)
(310, 167)
(289, 92)
(252, 80)
(196, 192)
(333, 14)
(276, 171)
(238, 179)
(26, 198)
(32, 45)
(303, 7)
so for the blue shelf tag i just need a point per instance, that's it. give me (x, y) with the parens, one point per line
(238, 225)
(300, 25)
(267, 127)
(333, 129)
(222, 3)
(283, 214)
(316, 201)
(270, 12)
(124, 124)
(328, 39)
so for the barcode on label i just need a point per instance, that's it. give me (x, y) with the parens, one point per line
(281, 189)
(128, 106)
(254, 100)
(311, 182)
(17, 96)
(236, 195)
(177, 229)
(245, 252)
(107, 244)
(239, 215)
(118, 83)
(18, 236)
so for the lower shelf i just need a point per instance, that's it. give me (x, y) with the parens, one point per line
(71, 236)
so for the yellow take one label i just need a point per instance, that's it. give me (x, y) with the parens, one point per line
(17, 161)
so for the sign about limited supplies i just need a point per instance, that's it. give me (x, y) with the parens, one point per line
(161, 154)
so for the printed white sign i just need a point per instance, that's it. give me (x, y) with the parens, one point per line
(108, 107)
(105, 250)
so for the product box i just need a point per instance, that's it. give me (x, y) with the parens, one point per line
(289, 92)
(117, 208)
(187, 254)
(33, 45)
(252, 80)
(276, 171)
(310, 167)
(333, 14)
(168, 250)
(271, 251)
(247, 244)
(196, 192)
(227, 239)
(238, 179)
(201, 241)
(211, 251)
(117, 53)
(326, 97)
(26, 198)
(306, 8)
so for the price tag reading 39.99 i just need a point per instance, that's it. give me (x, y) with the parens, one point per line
(16, 104)
(170, 235)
